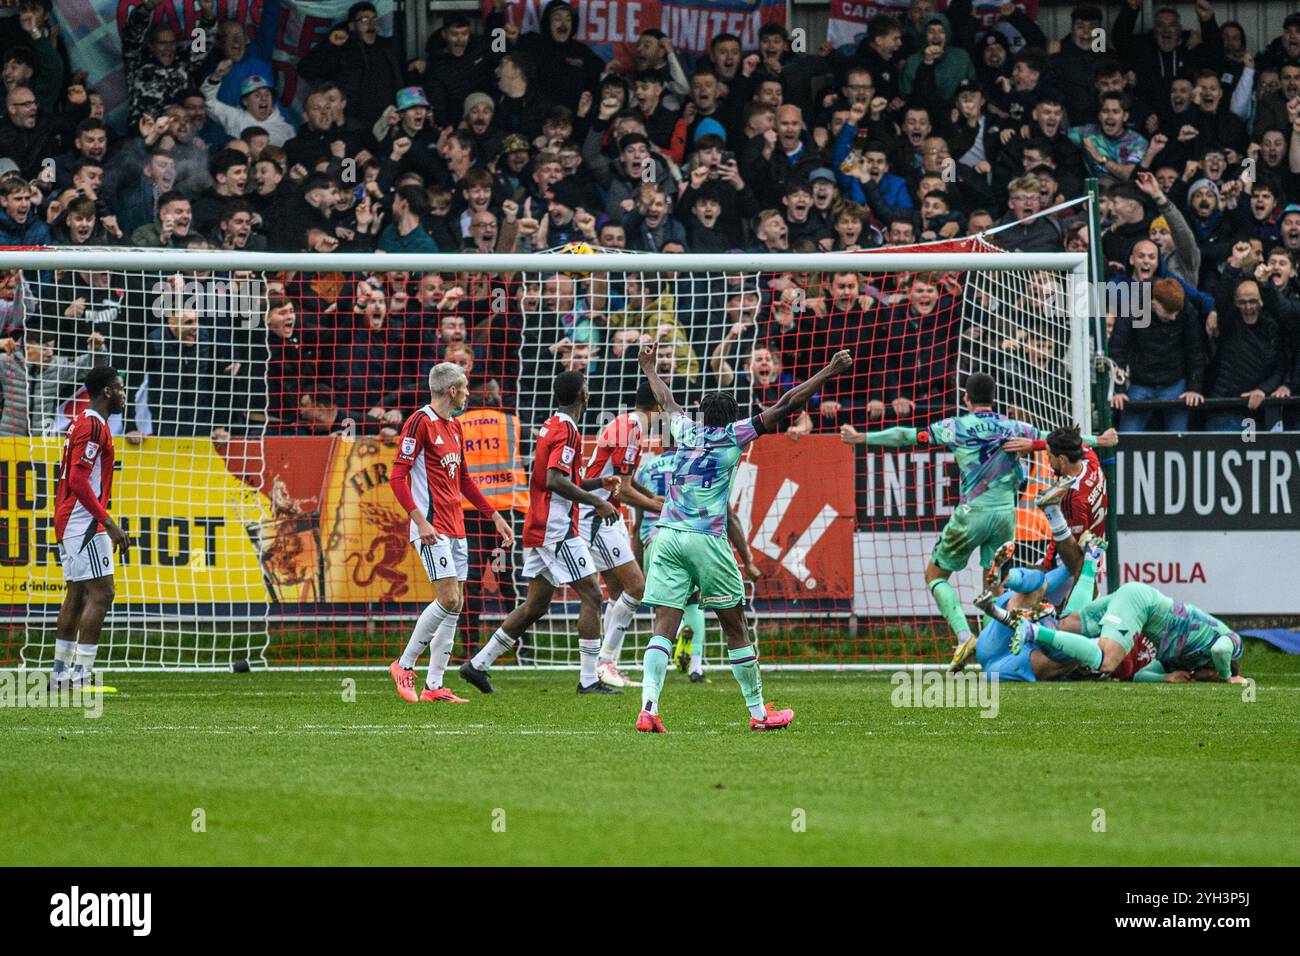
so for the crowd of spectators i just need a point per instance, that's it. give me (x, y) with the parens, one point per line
(495, 141)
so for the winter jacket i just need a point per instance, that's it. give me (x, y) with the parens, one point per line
(937, 82)
(642, 238)
(1185, 261)
(1249, 357)
(448, 79)
(235, 119)
(33, 232)
(150, 86)
(1159, 353)
(1156, 71)
(370, 75)
(564, 70)
(182, 383)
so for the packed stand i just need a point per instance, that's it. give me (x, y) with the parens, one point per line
(931, 128)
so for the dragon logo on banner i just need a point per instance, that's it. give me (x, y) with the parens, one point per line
(368, 554)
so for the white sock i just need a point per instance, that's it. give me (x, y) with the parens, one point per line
(758, 711)
(587, 651)
(1056, 521)
(443, 641)
(422, 635)
(498, 644)
(618, 617)
(697, 654)
(64, 652)
(86, 656)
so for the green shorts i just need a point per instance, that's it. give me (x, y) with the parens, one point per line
(683, 562)
(1127, 612)
(967, 530)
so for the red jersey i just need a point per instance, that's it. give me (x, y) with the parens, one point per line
(551, 518)
(429, 473)
(618, 452)
(1085, 506)
(1143, 653)
(89, 447)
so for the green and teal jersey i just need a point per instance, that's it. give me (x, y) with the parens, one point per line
(654, 473)
(990, 478)
(1182, 633)
(699, 488)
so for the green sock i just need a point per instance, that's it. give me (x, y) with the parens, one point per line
(744, 666)
(655, 664)
(693, 617)
(1076, 645)
(950, 607)
(1085, 589)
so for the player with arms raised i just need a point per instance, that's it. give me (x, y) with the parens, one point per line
(654, 475)
(691, 552)
(428, 479)
(985, 517)
(84, 530)
(554, 553)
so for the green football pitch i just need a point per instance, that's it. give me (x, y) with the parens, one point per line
(281, 768)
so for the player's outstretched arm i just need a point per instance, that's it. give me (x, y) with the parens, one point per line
(898, 437)
(633, 494)
(560, 483)
(797, 397)
(663, 394)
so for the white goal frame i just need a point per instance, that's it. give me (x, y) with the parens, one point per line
(1073, 266)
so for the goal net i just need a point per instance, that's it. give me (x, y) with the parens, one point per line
(266, 394)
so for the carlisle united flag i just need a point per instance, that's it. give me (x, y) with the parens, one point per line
(611, 27)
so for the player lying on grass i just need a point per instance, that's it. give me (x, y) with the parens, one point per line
(1189, 643)
(691, 552)
(1027, 588)
(616, 456)
(84, 530)
(554, 553)
(654, 475)
(985, 516)
(428, 479)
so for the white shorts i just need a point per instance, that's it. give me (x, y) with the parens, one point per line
(610, 544)
(561, 563)
(95, 560)
(448, 558)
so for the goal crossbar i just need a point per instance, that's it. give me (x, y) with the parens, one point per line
(149, 259)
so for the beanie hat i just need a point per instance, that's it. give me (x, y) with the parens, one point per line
(473, 100)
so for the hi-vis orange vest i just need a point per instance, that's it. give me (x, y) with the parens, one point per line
(492, 457)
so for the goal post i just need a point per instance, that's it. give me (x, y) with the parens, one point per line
(266, 391)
